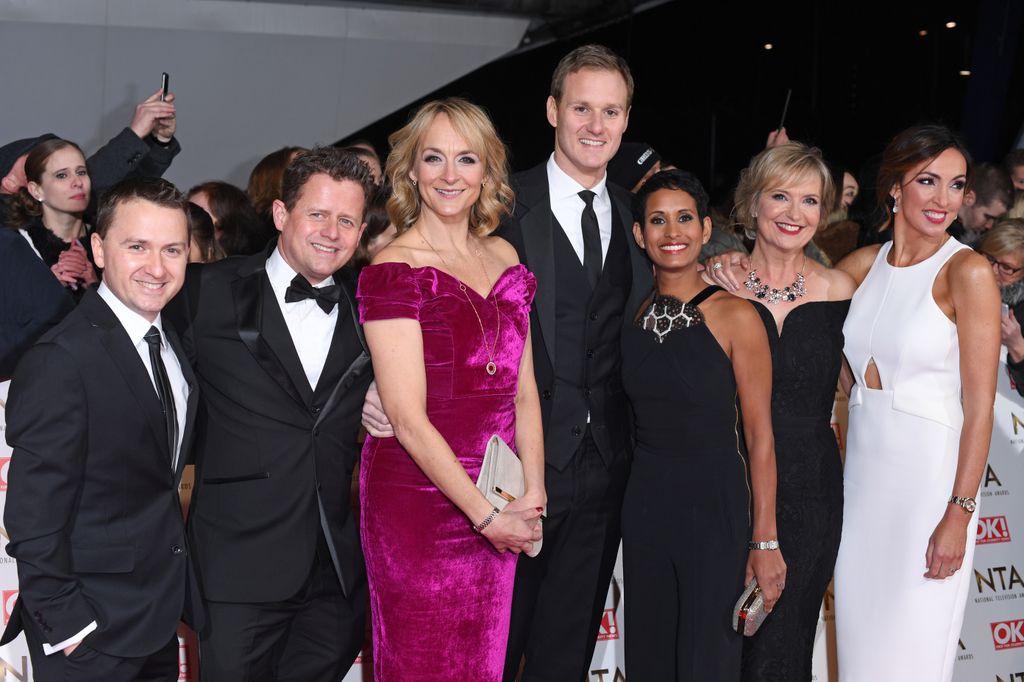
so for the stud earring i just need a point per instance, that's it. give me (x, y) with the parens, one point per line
(414, 182)
(896, 207)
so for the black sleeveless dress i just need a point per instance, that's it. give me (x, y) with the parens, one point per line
(686, 514)
(806, 359)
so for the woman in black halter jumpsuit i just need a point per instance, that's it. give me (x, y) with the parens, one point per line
(693, 497)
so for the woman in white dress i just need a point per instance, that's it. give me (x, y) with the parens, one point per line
(920, 421)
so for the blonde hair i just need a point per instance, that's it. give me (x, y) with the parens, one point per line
(775, 166)
(1007, 236)
(473, 124)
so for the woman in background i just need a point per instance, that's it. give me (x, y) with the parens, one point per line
(50, 212)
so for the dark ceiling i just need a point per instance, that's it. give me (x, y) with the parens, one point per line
(708, 91)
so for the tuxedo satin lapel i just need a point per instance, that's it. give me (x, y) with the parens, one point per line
(250, 294)
(191, 403)
(538, 243)
(340, 350)
(129, 364)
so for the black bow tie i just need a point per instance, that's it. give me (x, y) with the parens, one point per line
(300, 289)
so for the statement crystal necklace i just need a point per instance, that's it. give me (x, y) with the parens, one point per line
(490, 367)
(771, 295)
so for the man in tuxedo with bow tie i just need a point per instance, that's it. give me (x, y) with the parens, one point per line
(277, 347)
(100, 416)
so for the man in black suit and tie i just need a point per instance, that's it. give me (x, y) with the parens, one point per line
(280, 356)
(100, 417)
(573, 231)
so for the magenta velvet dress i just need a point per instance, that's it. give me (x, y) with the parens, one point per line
(441, 595)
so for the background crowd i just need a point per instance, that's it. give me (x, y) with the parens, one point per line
(443, 303)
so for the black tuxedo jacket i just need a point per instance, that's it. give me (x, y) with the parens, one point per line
(274, 459)
(530, 230)
(92, 505)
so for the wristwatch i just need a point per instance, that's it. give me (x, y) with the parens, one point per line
(769, 544)
(967, 503)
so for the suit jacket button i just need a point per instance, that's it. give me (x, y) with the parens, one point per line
(586, 392)
(546, 394)
(177, 549)
(315, 409)
(593, 316)
(590, 353)
(576, 431)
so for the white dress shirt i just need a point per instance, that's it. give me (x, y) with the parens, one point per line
(310, 328)
(136, 326)
(567, 207)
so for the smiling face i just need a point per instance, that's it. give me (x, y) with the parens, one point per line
(788, 212)
(931, 194)
(321, 231)
(64, 185)
(673, 232)
(143, 255)
(448, 174)
(589, 121)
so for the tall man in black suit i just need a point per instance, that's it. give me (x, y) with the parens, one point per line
(573, 231)
(281, 359)
(100, 417)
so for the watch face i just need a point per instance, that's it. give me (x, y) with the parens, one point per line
(969, 505)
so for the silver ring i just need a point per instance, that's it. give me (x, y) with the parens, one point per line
(716, 266)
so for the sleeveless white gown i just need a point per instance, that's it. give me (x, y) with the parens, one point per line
(892, 623)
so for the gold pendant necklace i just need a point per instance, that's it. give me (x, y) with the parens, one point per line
(490, 367)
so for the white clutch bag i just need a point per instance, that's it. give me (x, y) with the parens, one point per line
(501, 478)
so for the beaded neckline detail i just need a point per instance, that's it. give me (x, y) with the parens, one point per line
(666, 314)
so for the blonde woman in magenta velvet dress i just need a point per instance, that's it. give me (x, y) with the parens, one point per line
(446, 314)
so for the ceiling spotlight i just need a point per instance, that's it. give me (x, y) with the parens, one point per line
(965, 72)
(950, 24)
(768, 46)
(922, 33)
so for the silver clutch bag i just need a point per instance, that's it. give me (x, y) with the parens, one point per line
(749, 612)
(501, 478)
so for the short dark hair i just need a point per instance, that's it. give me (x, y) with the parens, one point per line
(597, 57)
(909, 149)
(154, 190)
(674, 179)
(992, 183)
(1013, 159)
(335, 163)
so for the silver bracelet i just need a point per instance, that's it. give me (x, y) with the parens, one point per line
(479, 528)
(770, 544)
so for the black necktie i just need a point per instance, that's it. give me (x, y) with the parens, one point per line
(163, 389)
(300, 289)
(591, 239)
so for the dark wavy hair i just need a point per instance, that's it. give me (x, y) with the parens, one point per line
(908, 150)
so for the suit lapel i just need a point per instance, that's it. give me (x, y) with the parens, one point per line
(536, 225)
(347, 321)
(262, 329)
(642, 280)
(129, 364)
(191, 402)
